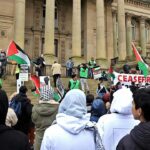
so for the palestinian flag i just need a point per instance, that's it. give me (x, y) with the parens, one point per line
(15, 53)
(142, 65)
(110, 71)
(36, 82)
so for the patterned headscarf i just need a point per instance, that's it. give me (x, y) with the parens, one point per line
(46, 93)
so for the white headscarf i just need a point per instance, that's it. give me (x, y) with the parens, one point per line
(122, 101)
(74, 104)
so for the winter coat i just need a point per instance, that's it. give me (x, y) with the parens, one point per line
(138, 139)
(43, 114)
(24, 120)
(68, 134)
(11, 139)
(114, 126)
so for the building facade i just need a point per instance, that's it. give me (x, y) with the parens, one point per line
(80, 29)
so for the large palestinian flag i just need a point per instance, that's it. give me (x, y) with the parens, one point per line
(15, 53)
(142, 65)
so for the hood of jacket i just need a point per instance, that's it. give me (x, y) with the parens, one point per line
(141, 135)
(122, 101)
(72, 114)
(45, 109)
(98, 108)
(74, 104)
(72, 124)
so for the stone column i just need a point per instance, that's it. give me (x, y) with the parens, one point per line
(76, 31)
(49, 32)
(109, 32)
(121, 31)
(115, 35)
(129, 34)
(142, 35)
(100, 33)
(19, 22)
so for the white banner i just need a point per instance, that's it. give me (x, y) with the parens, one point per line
(128, 78)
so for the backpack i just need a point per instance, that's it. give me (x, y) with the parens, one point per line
(16, 106)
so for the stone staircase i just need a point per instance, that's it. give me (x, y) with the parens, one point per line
(9, 85)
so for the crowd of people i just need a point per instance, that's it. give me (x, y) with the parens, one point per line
(117, 117)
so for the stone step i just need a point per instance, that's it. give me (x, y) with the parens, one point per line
(9, 85)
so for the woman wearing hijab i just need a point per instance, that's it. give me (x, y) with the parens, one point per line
(43, 114)
(73, 129)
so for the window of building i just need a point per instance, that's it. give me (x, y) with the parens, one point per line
(56, 47)
(55, 15)
(133, 25)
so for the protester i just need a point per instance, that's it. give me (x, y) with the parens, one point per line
(3, 63)
(89, 101)
(24, 116)
(43, 114)
(126, 68)
(69, 67)
(56, 69)
(40, 66)
(114, 126)
(132, 87)
(98, 110)
(92, 64)
(139, 137)
(101, 89)
(10, 139)
(17, 72)
(71, 131)
(74, 83)
(84, 77)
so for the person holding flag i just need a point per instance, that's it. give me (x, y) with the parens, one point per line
(141, 64)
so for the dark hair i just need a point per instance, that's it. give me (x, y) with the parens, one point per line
(46, 79)
(3, 106)
(73, 75)
(23, 89)
(89, 98)
(142, 100)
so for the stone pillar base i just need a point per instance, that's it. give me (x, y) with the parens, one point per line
(77, 60)
(49, 59)
(103, 63)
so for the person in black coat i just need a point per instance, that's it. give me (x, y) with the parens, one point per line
(10, 139)
(24, 119)
(139, 137)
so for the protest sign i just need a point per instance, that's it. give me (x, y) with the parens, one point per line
(128, 78)
(23, 75)
(97, 72)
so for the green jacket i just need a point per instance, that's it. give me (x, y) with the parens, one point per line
(84, 73)
(43, 115)
(74, 84)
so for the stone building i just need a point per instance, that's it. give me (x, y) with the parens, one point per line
(76, 28)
